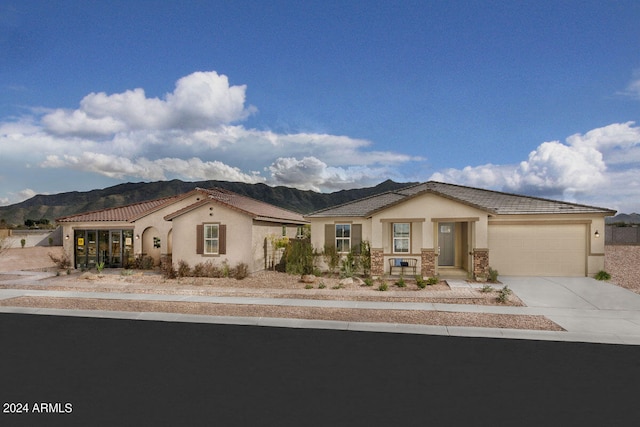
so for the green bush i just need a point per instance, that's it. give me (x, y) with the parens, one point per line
(493, 275)
(421, 282)
(322, 285)
(365, 257)
(383, 287)
(331, 257)
(368, 281)
(300, 257)
(503, 294)
(486, 289)
(433, 280)
(401, 283)
(602, 275)
(308, 286)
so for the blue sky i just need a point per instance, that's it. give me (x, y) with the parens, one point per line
(532, 97)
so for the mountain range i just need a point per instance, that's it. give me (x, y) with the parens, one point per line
(55, 206)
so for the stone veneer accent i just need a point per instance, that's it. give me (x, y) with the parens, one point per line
(480, 262)
(428, 263)
(377, 262)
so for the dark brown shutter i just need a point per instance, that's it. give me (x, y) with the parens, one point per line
(222, 239)
(329, 235)
(200, 239)
(356, 237)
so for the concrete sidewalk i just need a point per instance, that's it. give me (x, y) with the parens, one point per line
(589, 310)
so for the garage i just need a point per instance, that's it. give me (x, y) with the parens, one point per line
(538, 249)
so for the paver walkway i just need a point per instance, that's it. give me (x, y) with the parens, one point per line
(589, 310)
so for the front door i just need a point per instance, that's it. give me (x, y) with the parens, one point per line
(446, 244)
(116, 248)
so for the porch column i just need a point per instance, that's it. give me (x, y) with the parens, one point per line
(428, 263)
(377, 263)
(480, 262)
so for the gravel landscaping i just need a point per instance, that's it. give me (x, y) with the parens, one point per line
(266, 284)
(623, 263)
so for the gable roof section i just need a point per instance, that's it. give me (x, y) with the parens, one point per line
(256, 209)
(128, 213)
(493, 202)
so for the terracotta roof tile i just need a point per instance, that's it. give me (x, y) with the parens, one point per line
(122, 213)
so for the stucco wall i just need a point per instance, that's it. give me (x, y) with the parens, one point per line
(239, 243)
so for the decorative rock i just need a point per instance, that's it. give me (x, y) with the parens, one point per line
(308, 278)
(346, 281)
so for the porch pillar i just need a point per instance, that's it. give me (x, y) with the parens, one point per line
(377, 263)
(480, 262)
(428, 263)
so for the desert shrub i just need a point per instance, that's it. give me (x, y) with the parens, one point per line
(350, 264)
(503, 294)
(368, 281)
(602, 275)
(300, 257)
(62, 262)
(206, 269)
(365, 257)
(184, 270)
(126, 272)
(331, 257)
(50, 241)
(493, 275)
(143, 262)
(23, 242)
(433, 280)
(168, 270)
(421, 282)
(383, 287)
(100, 266)
(308, 286)
(241, 271)
(322, 285)
(401, 283)
(486, 289)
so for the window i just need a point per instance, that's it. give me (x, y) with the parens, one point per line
(401, 237)
(211, 238)
(343, 237)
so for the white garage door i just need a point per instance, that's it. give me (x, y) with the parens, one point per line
(538, 250)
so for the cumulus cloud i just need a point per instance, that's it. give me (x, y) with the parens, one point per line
(200, 100)
(310, 173)
(577, 169)
(191, 133)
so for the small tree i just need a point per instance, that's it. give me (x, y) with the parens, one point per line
(300, 257)
(331, 257)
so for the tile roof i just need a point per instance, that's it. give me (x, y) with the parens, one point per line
(494, 202)
(126, 213)
(255, 208)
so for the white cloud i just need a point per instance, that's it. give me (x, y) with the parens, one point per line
(633, 88)
(200, 100)
(17, 197)
(577, 170)
(310, 173)
(190, 133)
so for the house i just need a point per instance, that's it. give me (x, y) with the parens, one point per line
(198, 226)
(444, 229)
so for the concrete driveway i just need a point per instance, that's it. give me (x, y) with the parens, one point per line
(595, 310)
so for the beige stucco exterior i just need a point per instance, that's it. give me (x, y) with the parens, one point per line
(173, 227)
(541, 244)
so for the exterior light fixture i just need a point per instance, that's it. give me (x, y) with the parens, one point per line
(596, 234)
(137, 236)
(66, 237)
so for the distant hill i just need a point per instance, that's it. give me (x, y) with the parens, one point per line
(633, 218)
(57, 205)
